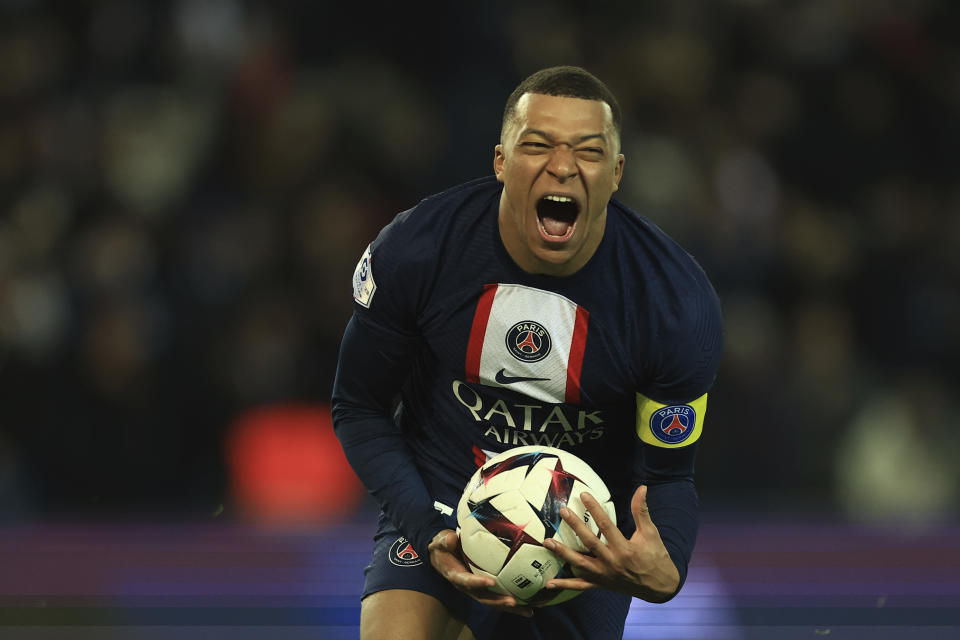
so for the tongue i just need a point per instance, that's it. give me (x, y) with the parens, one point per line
(555, 227)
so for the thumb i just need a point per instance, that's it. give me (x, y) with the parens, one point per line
(451, 541)
(638, 506)
(442, 540)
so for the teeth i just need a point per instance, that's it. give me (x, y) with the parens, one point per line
(559, 198)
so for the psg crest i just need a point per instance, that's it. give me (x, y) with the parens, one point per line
(673, 424)
(528, 341)
(403, 555)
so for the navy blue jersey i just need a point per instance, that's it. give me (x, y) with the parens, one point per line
(611, 363)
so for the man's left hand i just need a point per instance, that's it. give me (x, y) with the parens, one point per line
(639, 567)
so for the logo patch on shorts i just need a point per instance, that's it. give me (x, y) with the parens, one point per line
(363, 285)
(402, 554)
(528, 341)
(673, 424)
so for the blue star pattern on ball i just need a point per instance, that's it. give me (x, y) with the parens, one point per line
(511, 505)
(528, 460)
(558, 495)
(508, 532)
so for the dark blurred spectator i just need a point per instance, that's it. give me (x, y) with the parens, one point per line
(185, 188)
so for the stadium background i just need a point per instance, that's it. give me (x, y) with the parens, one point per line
(185, 188)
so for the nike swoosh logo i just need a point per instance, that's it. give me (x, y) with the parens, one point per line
(503, 378)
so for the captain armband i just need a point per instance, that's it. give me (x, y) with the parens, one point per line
(670, 425)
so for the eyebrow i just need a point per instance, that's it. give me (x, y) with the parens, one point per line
(546, 135)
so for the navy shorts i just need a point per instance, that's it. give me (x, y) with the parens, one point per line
(593, 615)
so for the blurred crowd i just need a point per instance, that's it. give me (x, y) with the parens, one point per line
(185, 188)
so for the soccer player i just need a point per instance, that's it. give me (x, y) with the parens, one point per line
(527, 308)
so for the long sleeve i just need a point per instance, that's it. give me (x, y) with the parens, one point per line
(672, 500)
(671, 415)
(370, 373)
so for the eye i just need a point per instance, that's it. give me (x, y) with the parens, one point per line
(591, 154)
(534, 145)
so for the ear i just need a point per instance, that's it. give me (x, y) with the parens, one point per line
(618, 171)
(498, 160)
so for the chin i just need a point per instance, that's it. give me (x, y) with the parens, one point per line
(555, 256)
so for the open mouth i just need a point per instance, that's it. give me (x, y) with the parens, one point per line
(558, 216)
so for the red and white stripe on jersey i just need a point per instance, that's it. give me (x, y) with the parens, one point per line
(500, 308)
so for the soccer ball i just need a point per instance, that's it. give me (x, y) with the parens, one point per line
(512, 504)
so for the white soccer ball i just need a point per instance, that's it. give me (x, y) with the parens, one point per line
(512, 504)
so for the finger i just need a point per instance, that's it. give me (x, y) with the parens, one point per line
(574, 558)
(470, 581)
(560, 549)
(450, 565)
(479, 588)
(639, 508)
(502, 602)
(443, 542)
(450, 542)
(575, 584)
(492, 598)
(645, 530)
(593, 544)
(600, 516)
(587, 537)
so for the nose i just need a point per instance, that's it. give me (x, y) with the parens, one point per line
(562, 164)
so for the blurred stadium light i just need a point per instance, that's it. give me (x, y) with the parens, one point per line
(287, 468)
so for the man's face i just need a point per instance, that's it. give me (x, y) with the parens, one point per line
(559, 163)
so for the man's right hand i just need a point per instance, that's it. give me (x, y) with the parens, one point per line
(446, 558)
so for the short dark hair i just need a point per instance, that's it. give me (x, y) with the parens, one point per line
(564, 82)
